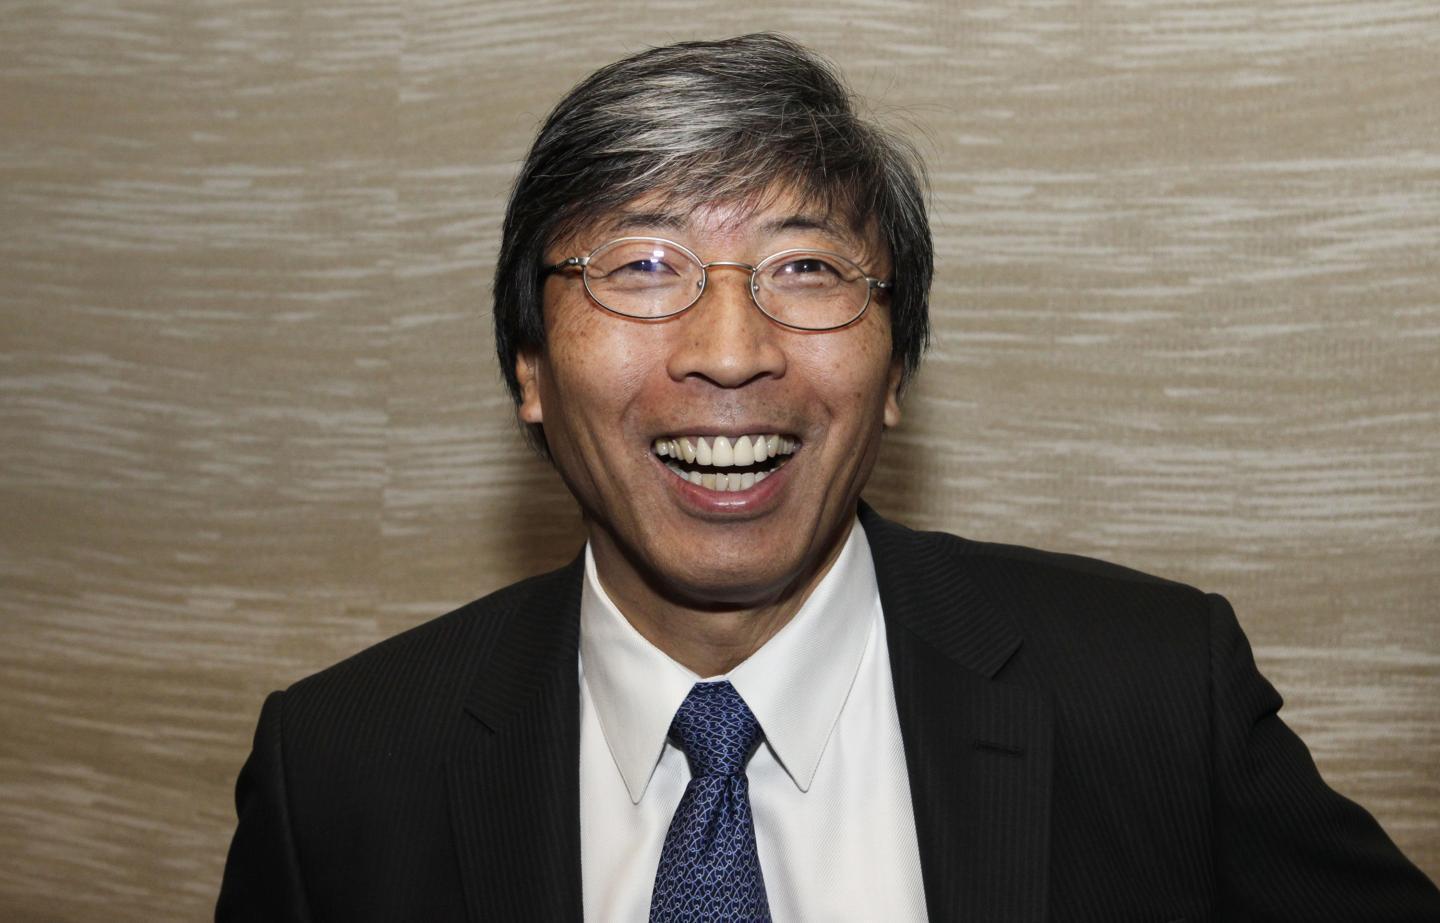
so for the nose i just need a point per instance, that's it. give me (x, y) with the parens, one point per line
(724, 338)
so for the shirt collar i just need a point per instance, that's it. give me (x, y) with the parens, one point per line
(796, 684)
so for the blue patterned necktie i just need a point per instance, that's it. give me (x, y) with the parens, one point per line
(709, 871)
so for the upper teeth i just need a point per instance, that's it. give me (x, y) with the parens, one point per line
(725, 451)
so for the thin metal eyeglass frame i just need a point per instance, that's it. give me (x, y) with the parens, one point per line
(580, 262)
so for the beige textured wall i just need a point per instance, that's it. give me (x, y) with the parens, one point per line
(1187, 313)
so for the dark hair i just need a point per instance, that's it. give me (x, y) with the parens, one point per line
(702, 122)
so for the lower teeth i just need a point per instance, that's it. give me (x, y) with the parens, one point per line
(710, 480)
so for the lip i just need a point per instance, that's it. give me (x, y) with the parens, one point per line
(758, 500)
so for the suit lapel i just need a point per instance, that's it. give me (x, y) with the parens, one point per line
(978, 751)
(514, 778)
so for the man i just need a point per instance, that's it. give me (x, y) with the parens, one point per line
(751, 697)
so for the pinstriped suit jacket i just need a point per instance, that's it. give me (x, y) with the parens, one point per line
(1083, 743)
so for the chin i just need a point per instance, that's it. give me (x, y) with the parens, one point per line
(741, 581)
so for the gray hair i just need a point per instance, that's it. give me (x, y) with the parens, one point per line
(705, 122)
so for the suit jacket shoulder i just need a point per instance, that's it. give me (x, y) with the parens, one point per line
(982, 603)
(398, 682)
(382, 787)
(1109, 749)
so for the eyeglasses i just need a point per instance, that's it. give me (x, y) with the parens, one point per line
(652, 278)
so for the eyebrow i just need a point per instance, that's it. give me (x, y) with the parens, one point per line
(672, 221)
(806, 222)
(639, 221)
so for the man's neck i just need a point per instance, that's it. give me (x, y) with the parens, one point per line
(708, 639)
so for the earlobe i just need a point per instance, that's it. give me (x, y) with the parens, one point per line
(892, 394)
(527, 372)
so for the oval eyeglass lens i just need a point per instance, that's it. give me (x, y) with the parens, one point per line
(642, 278)
(816, 291)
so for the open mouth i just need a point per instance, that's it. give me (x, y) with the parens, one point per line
(725, 462)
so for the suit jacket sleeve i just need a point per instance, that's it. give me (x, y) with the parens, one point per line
(262, 874)
(1288, 846)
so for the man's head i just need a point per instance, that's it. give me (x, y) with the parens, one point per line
(735, 150)
(704, 122)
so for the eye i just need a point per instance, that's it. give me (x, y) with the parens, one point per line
(806, 265)
(646, 266)
(639, 262)
(805, 271)
(646, 272)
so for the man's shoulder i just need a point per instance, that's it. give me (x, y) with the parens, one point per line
(1113, 648)
(999, 560)
(437, 660)
(1042, 596)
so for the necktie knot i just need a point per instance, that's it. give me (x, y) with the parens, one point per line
(716, 729)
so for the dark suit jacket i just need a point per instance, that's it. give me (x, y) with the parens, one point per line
(1083, 743)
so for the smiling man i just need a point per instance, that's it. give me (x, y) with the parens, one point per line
(750, 697)
(717, 452)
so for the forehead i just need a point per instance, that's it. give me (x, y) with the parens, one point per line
(778, 214)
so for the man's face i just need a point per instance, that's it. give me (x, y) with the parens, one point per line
(607, 388)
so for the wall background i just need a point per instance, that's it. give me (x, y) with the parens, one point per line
(1186, 310)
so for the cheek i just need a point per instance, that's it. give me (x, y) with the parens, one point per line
(598, 363)
(854, 370)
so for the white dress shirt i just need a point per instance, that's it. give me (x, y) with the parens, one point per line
(829, 793)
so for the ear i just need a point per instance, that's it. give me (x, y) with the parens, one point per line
(892, 393)
(528, 365)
